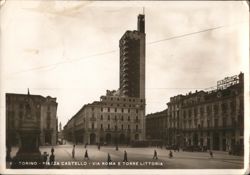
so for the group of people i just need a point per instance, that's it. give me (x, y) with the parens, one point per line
(51, 157)
(125, 157)
(156, 157)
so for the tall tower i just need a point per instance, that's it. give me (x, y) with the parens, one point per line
(132, 61)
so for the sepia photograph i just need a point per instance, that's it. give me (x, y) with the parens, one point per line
(124, 87)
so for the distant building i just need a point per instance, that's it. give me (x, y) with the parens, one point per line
(42, 110)
(114, 119)
(213, 119)
(156, 126)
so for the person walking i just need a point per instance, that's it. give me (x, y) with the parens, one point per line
(45, 156)
(155, 155)
(51, 158)
(211, 153)
(170, 154)
(73, 151)
(99, 146)
(109, 158)
(86, 156)
(52, 150)
(125, 159)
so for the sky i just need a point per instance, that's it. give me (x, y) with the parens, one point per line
(70, 49)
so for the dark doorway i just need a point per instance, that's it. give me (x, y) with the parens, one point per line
(195, 139)
(216, 141)
(136, 137)
(48, 138)
(108, 138)
(92, 138)
(122, 138)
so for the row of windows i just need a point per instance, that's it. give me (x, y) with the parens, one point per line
(116, 127)
(115, 109)
(122, 99)
(116, 118)
(225, 122)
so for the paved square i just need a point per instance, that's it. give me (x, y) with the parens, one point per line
(137, 158)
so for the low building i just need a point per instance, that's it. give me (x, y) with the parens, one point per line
(113, 119)
(42, 109)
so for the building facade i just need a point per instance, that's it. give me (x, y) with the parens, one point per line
(132, 61)
(213, 119)
(41, 110)
(112, 120)
(156, 126)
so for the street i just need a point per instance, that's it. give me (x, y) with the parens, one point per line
(141, 158)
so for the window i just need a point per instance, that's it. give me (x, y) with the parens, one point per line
(122, 110)
(215, 109)
(122, 127)
(224, 121)
(128, 110)
(208, 110)
(92, 125)
(108, 126)
(208, 123)
(128, 127)
(101, 127)
(116, 127)
(21, 106)
(215, 122)
(108, 109)
(20, 115)
(92, 109)
(115, 118)
(201, 110)
(136, 127)
(115, 109)
(224, 107)
(122, 118)
(233, 106)
(101, 117)
(108, 117)
(128, 118)
(101, 109)
(136, 110)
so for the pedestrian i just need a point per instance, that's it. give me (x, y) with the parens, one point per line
(211, 153)
(86, 156)
(125, 159)
(52, 150)
(45, 156)
(99, 146)
(85, 146)
(170, 154)
(51, 158)
(109, 158)
(155, 155)
(73, 151)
